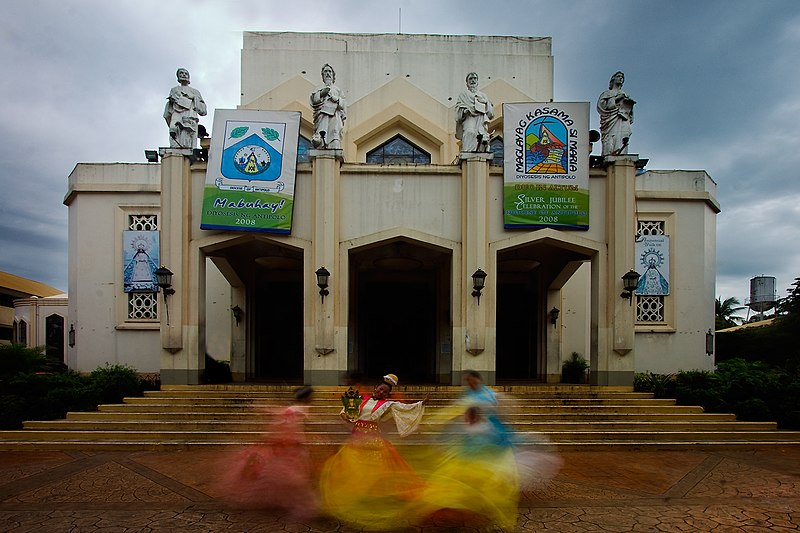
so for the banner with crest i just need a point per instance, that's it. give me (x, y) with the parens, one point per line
(546, 165)
(251, 171)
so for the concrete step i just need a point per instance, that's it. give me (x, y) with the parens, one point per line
(332, 425)
(520, 417)
(506, 402)
(667, 407)
(336, 394)
(226, 416)
(339, 437)
(289, 389)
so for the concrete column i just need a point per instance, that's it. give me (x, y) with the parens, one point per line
(552, 369)
(180, 362)
(329, 358)
(475, 255)
(621, 233)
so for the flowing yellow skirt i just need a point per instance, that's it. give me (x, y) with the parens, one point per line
(368, 483)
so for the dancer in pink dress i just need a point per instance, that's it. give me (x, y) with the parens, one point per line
(278, 473)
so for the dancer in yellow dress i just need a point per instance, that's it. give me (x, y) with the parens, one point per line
(368, 483)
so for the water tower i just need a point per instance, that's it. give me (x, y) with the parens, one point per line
(762, 294)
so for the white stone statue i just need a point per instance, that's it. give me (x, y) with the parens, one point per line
(616, 116)
(184, 106)
(473, 113)
(330, 112)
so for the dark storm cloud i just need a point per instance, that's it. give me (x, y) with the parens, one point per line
(715, 81)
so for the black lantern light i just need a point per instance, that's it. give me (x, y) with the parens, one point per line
(554, 315)
(478, 283)
(629, 283)
(238, 313)
(164, 280)
(322, 281)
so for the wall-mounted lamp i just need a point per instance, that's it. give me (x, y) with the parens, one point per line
(198, 154)
(554, 316)
(478, 283)
(164, 280)
(151, 156)
(709, 342)
(71, 335)
(322, 282)
(238, 314)
(629, 283)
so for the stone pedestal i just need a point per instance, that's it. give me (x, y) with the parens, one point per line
(329, 357)
(615, 347)
(180, 359)
(476, 355)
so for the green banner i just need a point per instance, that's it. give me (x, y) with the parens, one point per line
(546, 165)
(251, 171)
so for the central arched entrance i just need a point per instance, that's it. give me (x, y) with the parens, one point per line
(528, 277)
(266, 280)
(400, 319)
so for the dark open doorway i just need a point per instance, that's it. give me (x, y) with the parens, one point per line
(518, 333)
(517, 324)
(398, 329)
(399, 312)
(278, 332)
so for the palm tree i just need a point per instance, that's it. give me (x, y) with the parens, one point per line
(724, 310)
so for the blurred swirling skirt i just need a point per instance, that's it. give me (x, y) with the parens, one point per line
(369, 484)
(276, 475)
(483, 485)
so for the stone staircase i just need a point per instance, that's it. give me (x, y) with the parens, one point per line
(221, 416)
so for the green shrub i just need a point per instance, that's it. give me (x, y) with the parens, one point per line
(661, 385)
(13, 410)
(573, 370)
(699, 387)
(754, 409)
(46, 396)
(752, 390)
(18, 359)
(112, 383)
(217, 371)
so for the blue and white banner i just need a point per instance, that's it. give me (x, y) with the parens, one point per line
(251, 171)
(652, 264)
(140, 258)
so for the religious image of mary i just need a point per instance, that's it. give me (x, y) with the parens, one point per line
(140, 257)
(652, 282)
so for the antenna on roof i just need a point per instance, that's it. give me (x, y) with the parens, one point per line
(399, 20)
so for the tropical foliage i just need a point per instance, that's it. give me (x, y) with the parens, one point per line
(33, 387)
(724, 312)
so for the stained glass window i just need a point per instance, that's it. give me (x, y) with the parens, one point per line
(398, 151)
(496, 146)
(303, 146)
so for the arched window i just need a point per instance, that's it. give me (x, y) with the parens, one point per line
(22, 332)
(496, 146)
(54, 336)
(303, 146)
(398, 151)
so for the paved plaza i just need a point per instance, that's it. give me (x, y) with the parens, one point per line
(618, 490)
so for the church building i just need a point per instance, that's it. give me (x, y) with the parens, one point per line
(417, 235)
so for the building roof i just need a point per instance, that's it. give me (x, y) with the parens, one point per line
(23, 288)
(765, 322)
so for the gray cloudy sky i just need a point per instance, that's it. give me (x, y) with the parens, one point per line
(717, 84)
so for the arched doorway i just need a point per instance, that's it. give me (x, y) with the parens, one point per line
(526, 275)
(399, 316)
(269, 277)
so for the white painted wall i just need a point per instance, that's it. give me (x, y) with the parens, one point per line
(437, 64)
(97, 197)
(687, 198)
